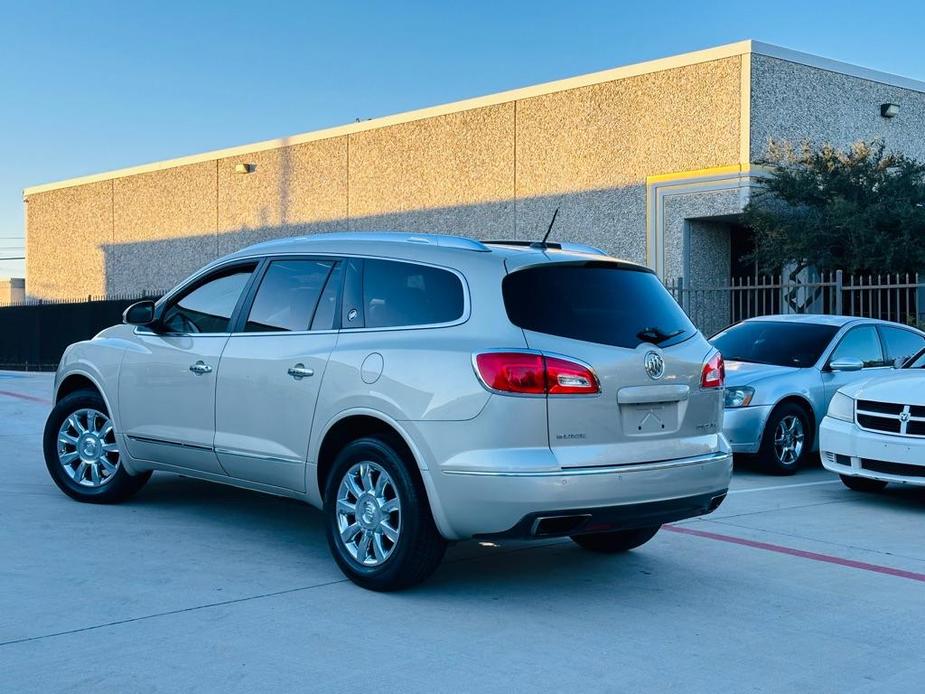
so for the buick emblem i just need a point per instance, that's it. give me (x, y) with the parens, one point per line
(655, 365)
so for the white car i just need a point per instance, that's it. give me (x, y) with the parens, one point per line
(874, 431)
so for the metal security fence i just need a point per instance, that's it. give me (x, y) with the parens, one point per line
(34, 334)
(894, 297)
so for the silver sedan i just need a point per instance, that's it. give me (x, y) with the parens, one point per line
(782, 371)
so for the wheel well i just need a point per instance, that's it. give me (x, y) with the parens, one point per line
(804, 405)
(72, 384)
(353, 428)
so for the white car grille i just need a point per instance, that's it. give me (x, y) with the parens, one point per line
(891, 418)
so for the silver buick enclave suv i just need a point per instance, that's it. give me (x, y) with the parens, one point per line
(420, 389)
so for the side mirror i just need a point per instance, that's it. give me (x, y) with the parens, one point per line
(846, 364)
(139, 313)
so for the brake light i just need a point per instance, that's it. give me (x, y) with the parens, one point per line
(535, 374)
(714, 372)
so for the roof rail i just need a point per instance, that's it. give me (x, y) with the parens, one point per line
(554, 245)
(439, 240)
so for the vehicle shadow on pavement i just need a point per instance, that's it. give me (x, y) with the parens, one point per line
(289, 533)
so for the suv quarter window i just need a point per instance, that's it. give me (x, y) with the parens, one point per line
(396, 293)
(209, 304)
(860, 343)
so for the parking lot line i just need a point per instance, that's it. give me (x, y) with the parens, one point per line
(803, 554)
(23, 396)
(783, 486)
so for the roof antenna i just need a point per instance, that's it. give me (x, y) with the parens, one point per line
(542, 244)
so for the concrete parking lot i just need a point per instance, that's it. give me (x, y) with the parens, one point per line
(794, 584)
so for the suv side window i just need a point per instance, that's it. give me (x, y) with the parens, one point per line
(209, 305)
(860, 343)
(406, 294)
(288, 295)
(900, 344)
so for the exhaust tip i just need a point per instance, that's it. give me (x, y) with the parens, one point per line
(715, 502)
(549, 526)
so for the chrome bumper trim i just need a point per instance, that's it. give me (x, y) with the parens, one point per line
(607, 470)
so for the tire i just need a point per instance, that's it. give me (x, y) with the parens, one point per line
(97, 476)
(778, 454)
(616, 541)
(389, 540)
(863, 484)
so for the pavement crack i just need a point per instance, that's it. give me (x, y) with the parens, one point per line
(169, 613)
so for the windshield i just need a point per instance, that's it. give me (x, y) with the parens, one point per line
(778, 343)
(595, 302)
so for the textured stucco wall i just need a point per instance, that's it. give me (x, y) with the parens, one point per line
(496, 171)
(66, 230)
(796, 102)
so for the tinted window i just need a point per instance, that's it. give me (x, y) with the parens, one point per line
(595, 302)
(918, 362)
(860, 343)
(208, 307)
(900, 344)
(398, 294)
(288, 295)
(769, 342)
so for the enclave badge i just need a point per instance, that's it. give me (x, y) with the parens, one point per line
(655, 365)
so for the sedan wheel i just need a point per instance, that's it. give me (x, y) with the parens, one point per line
(787, 439)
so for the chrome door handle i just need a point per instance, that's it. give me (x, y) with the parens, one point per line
(200, 367)
(300, 371)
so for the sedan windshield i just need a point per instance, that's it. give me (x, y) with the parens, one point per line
(778, 343)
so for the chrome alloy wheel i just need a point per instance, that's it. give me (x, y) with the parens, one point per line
(788, 439)
(368, 513)
(87, 448)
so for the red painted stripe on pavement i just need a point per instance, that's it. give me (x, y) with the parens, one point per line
(803, 554)
(23, 396)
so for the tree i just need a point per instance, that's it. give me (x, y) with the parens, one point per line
(861, 210)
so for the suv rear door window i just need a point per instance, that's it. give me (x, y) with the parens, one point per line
(596, 302)
(288, 295)
(406, 294)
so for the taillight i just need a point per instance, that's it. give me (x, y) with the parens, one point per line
(535, 374)
(714, 372)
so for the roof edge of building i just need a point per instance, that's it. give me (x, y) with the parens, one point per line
(623, 72)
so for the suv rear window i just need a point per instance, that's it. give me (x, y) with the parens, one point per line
(595, 302)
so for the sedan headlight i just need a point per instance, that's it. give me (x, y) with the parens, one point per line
(842, 407)
(738, 396)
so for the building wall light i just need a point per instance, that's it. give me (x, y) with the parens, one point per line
(243, 168)
(889, 110)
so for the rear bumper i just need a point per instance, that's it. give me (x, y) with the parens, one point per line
(848, 450)
(744, 427)
(507, 503)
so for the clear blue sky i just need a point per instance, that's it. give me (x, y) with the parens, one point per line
(91, 86)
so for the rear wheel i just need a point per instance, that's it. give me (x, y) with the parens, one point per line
(379, 525)
(81, 452)
(863, 484)
(615, 541)
(786, 441)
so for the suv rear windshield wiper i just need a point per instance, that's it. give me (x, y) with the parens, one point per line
(656, 335)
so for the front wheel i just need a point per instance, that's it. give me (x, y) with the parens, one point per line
(615, 541)
(786, 441)
(863, 484)
(379, 525)
(81, 452)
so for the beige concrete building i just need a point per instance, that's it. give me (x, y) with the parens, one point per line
(651, 162)
(12, 291)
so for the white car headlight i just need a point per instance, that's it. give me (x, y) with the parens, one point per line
(842, 407)
(738, 396)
